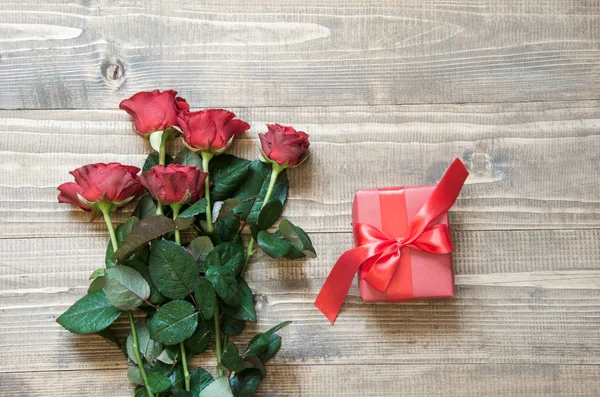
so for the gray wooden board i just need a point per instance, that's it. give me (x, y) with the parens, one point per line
(91, 54)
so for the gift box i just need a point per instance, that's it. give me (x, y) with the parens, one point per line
(419, 274)
(403, 245)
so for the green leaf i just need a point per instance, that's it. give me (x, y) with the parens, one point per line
(269, 214)
(183, 393)
(245, 311)
(199, 207)
(218, 388)
(167, 356)
(177, 379)
(140, 391)
(121, 232)
(149, 349)
(199, 380)
(96, 285)
(200, 247)
(298, 237)
(231, 358)
(97, 273)
(90, 314)
(225, 284)
(152, 160)
(254, 362)
(158, 382)
(172, 269)
(110, 337)
(225, 208)
(189, 158)
(134, 375)
(198, 342)
(273, 346)
(273, 246)
(227, 255)
(258, 345)
(173, 323)
(228, 227)
(140, 265)
(254, 189)
(125, 288)
(231, 326)
(205, 298)
(227, 174)
(146, 208)
(145, 231)
(246, 382)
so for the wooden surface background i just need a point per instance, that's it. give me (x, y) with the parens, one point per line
(390, 92)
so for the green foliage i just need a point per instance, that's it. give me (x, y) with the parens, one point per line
(205, 298)
(259, 344)
(144, 231)
(173, 323)
(180, 287)
(254, 189)
(199, 207)
(245, 311)
(246, 382)
(189, 158)
(227, 174)
(289, 241)
(125, 288)
(218, 388)
(172, 269)
(231, 358)
(90, 314)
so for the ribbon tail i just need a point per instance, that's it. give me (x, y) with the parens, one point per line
(336, 287)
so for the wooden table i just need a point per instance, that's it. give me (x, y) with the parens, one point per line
(390, 92)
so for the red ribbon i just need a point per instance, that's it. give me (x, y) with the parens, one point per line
(379, 254)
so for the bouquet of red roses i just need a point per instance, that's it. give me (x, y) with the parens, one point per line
(186, 293)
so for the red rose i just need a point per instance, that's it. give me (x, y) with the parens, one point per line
(284, 145)
(113, 183)
(175, 183)
(154, 111)
(210, 130)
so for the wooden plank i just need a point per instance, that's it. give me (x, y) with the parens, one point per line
(522, 297)
(533, 165)
(273, 53)
(346, 380)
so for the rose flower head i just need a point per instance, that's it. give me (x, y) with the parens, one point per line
(112, 183)
(284, 145)
(154, 111)
(175, 183)
(210, 130)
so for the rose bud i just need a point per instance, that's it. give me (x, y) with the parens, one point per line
(112, 183)
(284, 145)
(175, 183)
(211, 130)
(154, 111)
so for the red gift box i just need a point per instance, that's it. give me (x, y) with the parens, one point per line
(402, 245)
(420, 274)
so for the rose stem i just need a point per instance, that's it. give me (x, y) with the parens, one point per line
(105, 208)
(218, 340)
(206, 157)
(176, 207)
(274, 174)
(162, 159)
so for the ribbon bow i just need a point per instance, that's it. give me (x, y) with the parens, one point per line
(379, 254)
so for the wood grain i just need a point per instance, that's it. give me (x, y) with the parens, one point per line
(356, 380)
(523, 297)
(533, 165)
(272, 53)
